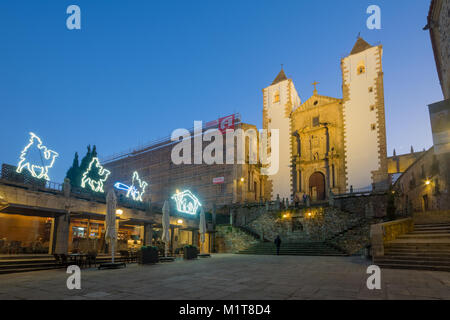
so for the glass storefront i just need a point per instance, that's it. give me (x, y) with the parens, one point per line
(21, 234)
(89, 236)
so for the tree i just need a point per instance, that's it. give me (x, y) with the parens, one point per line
(73, 173)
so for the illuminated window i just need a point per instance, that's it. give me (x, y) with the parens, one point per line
(276, 97)
(361, 68)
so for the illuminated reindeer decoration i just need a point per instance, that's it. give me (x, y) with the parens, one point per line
(47, 158)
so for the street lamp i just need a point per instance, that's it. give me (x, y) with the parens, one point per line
(180, 221)
(119, 211)
(427, 182)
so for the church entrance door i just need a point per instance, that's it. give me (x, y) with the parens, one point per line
(317, 186)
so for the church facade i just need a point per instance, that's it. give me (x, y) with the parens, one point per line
(330, 145)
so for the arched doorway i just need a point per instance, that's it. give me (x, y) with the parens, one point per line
(317, 186)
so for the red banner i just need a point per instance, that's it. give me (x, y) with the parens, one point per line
(226, 123)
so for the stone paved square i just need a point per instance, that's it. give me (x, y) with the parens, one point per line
(235, 277)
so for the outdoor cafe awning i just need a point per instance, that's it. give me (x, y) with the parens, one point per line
(14, 208)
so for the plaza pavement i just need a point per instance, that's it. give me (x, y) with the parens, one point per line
(227, 276)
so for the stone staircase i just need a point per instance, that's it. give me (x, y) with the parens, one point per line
(426, 248)
(27, 263)
(294, 249)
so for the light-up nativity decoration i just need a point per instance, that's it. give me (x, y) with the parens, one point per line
(186, 202)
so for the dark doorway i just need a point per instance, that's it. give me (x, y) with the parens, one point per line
(317, 186)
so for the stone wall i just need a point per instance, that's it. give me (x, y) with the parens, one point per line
(432, 217)
(425, 185)
(371, 205)
(230, 239)
(346, 224)
(346, 230)
(382, 233)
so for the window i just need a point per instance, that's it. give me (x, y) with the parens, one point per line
(373, 126)
(316, 103)
(372, 108)
(315, 121)
(361, 68)
(370, 89)
(276, 97)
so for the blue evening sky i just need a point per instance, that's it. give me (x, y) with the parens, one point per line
(139, 69)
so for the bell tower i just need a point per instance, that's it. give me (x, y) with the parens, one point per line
(364, 118)
(280, 99)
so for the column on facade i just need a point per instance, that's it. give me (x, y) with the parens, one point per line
(61, 234)
(148, 233)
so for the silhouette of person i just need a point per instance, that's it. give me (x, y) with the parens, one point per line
(278, 244)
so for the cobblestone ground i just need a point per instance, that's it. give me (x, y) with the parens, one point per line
(232, 277)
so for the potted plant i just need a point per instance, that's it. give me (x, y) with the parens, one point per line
(190, 252)
(147, 254)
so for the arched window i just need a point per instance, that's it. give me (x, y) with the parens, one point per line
(361, 68)
(276, 97)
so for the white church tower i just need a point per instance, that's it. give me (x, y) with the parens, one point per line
(364, 118)
(280, 99)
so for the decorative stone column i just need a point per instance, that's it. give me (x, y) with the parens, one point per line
(62, 223)
(61, 234)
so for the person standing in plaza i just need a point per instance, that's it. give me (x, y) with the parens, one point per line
(278, 244)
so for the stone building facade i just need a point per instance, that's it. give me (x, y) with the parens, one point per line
(318, 153)
(237, 183)
(364, 118)
(330, 144)
(439, 27)
(424, 186)
(280, 100)
(397, 164)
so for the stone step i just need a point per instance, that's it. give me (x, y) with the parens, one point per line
(26, 261)
(418, 254)
(426, 225)
(419, 236)
(49, 265)
(418, 245)
(25, 256)
(412, 266)
(428, 261)
(313, 254)
(431, 228)
(19, 270)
